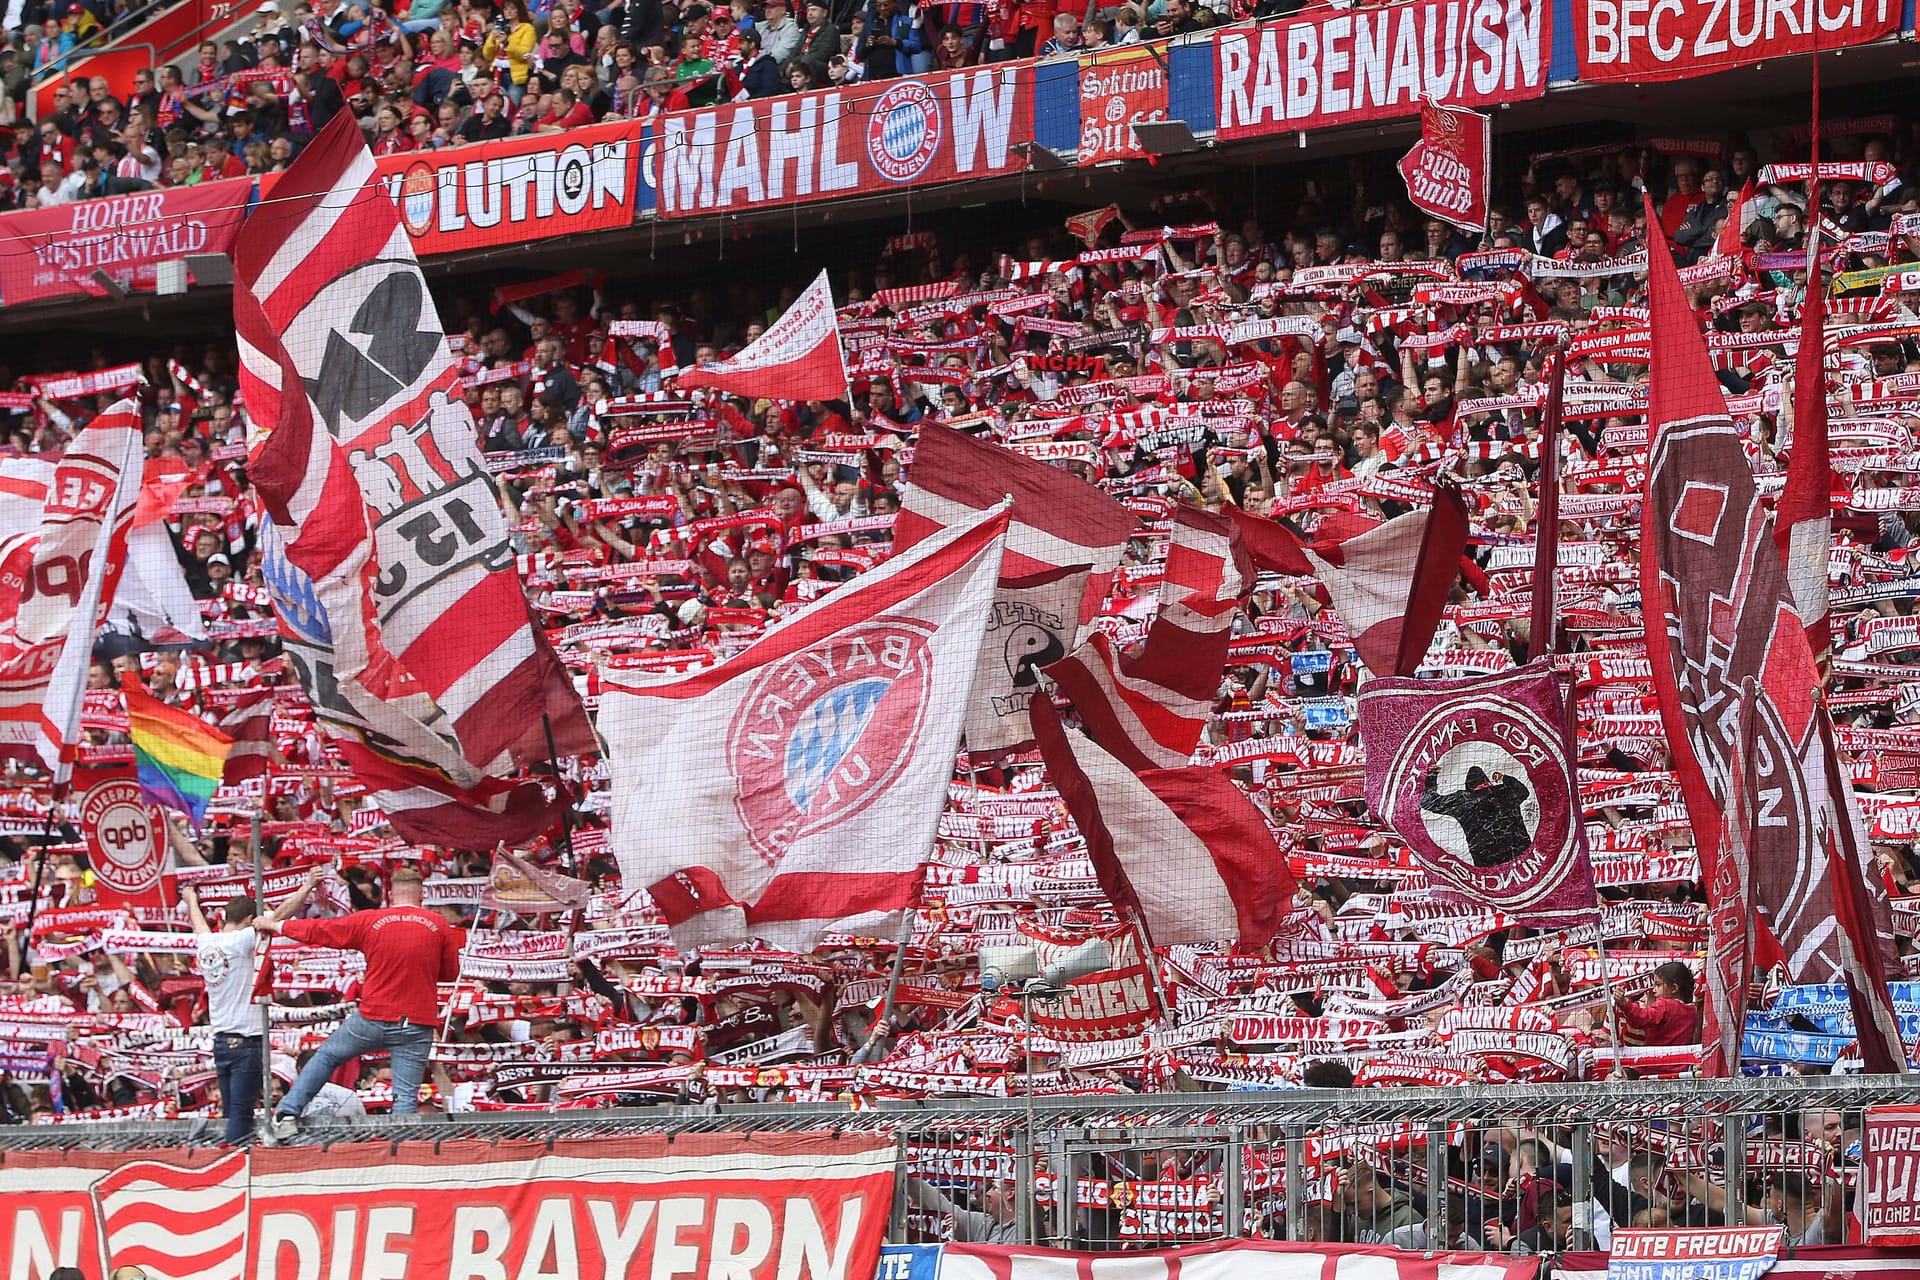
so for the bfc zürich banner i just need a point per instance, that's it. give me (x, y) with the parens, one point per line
(1671, 39)
(1333, 68)
(804, 1206)
(828, 145)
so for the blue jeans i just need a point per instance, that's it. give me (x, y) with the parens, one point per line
(236, 1063)
(409, 1043)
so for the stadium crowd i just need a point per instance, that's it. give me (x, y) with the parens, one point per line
(1334, 362)
(439, 74)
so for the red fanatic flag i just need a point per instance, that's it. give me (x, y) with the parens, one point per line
(1389, 581)
(1059, 520)
(1720, 616)
(372, 476)
(174, 1220)
(1183, 849)
(797, 358)
(1803, 518)
(1150, 709)
(797, 787)
(1476, 776)
(63, 540)
(1447, 170)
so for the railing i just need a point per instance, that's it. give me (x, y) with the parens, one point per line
(1166, 1169)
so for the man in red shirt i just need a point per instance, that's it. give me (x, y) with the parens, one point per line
(408, 949)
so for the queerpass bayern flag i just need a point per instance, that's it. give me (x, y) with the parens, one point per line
(1183, 849)
(1476, 777)
(1719, 616)
(1059, 520)
(369, 467)
(797, 786)
(797, 358)
(63, 538)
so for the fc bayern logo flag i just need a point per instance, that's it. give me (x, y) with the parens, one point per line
(1474, 774)
(1447, 170)
(797, 786)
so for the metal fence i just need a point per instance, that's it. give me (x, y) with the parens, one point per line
(1457, 1167)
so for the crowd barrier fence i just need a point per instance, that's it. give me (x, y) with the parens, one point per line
(1168, 1169)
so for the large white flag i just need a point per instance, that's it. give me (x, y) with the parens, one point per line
(797, 358)
(796, 787)
(63, 530)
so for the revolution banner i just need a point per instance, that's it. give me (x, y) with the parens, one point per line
(914, 131)
(54, 253)
(1333, 68)
(516, 189)
(1679, 39)
(803, 1206)
(1119, 88)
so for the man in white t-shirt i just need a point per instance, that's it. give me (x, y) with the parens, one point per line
(226, 963)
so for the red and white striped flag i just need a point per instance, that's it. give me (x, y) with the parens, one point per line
(176, 1223)
(369, 467)
(1389, 581)
(63, 544)
(1059, 520)
(249, 722)
(1183, 849)
(797, 358)
(1803, 519)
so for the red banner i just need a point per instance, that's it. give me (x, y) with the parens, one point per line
(1448, 169)
(845, 142)
(1890, 1176)
(1334, 68)
(1119, 88)
(1679, 39)
(516, 189)
(792, 1206)
(53, 253)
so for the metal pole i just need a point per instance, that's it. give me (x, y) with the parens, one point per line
(1234, 1173)
(1734, 1160)
(1438, 1234)
(1296, 1188)
(1023, 1174)
(55, 793)
(1582, 1144)
(264, 1000)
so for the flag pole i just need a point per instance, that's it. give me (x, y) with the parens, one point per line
(55, 793)
(265, 999)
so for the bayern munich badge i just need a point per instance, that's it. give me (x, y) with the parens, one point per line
(825, 731)
(903, 131)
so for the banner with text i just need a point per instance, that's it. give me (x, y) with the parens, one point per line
(1334, 68)
(868, 140)
(53, 253)
(1118, 89)
(1890, 1176)
(770, 1207)
(1677, 39)
(516, 189)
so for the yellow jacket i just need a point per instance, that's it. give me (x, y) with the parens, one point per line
(519, 46)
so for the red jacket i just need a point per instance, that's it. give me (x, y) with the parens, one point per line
(408, 950)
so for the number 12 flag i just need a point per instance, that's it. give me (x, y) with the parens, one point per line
(796, 787)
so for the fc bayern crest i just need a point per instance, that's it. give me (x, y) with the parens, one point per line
(419, 191)
(1473, 775)
(825, 731)
(903, 131)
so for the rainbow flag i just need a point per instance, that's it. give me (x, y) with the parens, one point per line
(180, 757)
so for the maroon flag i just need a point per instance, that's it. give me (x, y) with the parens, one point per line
(1476, 776)
(797, 358)
(1720, 614)
(1059, 520)
(1546, 557)
(1183, 849)
(1389, 581)
(1447, 170)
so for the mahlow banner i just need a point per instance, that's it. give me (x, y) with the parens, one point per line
(53, 253)
(802, 1206)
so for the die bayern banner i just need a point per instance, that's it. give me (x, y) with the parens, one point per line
(770, 1207)
(869, 140)
(1333, 68)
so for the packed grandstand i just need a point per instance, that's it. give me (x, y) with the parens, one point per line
(1264, 358)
